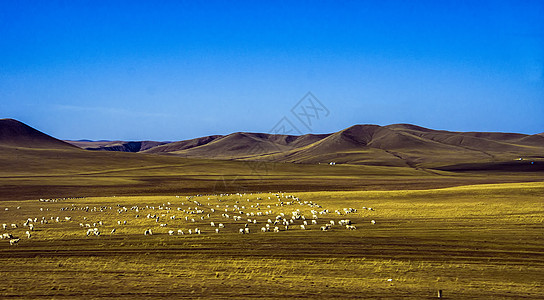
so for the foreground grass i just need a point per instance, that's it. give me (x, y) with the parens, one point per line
(471, 242)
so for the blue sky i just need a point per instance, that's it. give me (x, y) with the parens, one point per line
(171, 70)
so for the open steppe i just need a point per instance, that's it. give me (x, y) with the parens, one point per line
(482, 241)
(471, 229)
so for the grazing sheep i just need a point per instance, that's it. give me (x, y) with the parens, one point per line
(148, 232)
(372, 222)
(344, 222)
(171, 232)
(14, 241)
(221, 225)
(113, 231)
(326, 227)
(28, 235)
(93, 231)
(241, 230)
(247, 230)
(4, 226)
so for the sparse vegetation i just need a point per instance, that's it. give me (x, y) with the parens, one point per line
(473, 241)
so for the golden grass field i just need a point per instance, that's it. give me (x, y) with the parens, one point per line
(471, 241)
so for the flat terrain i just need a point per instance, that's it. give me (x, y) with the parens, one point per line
(478, 241)
(55, 173)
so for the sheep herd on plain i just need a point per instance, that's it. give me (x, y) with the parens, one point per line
(192, 215)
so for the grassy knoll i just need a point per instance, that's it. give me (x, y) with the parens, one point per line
(478, 241)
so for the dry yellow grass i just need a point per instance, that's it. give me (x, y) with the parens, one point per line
(482, 241)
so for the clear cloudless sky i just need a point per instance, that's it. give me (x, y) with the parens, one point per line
(172, 70)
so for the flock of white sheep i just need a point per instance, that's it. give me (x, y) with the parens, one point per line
(198, 214)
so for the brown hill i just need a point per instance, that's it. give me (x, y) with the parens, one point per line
(239, 145)
(182, 145)
(392, 145)
(16, 134)
(398, 145)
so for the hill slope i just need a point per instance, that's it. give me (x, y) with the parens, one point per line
(392, 145)
(397, 145)
(16, 134)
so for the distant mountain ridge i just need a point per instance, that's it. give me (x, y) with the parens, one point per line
(398, 145)
(392, 145)
(121, 146)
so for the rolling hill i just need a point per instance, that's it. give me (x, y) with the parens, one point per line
(36, 165)
(397, 145)
(392, 145)
(17, 134)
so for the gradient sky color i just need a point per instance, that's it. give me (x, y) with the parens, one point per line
(172, 70)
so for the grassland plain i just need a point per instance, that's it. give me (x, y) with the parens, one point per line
(49, 173)
(477, 241)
